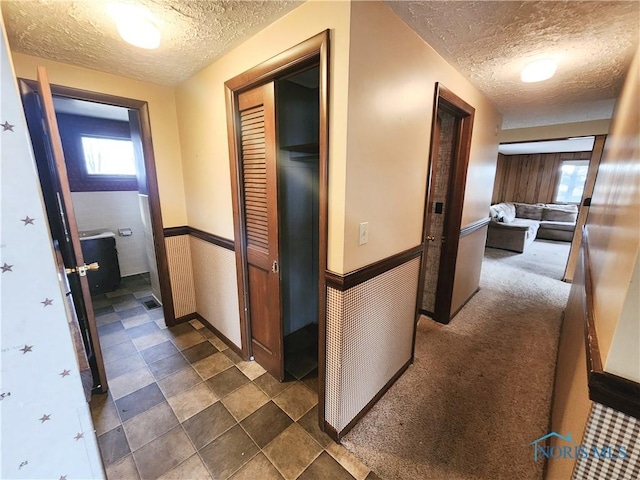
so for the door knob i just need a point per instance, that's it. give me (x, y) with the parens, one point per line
(430, 238)
(82, 270)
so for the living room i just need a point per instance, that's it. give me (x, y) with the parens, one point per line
(541, 198)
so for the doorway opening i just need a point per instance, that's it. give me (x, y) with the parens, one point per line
(107, 141)
(106, 172)
(297, 114)
(448, 162)
(547, 185)
(278, 138)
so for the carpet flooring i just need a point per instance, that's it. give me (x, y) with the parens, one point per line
(479, 391)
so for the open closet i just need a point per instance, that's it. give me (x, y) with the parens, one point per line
(297, 114)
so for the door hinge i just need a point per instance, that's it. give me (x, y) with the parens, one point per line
(82, 270)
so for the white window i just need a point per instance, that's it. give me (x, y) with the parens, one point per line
(109, 156)
(573, 175)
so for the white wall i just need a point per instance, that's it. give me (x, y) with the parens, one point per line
(114, 210)
(46, 427)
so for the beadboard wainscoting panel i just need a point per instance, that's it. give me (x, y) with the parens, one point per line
(369, 339)
(181, 275)
(216, 287)
(609, 428)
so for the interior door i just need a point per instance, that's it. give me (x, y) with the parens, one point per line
(260, 211)
(43, 127)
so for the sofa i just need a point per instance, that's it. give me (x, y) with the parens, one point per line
(514, 226)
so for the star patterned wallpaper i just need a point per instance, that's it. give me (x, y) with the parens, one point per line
(45, 424)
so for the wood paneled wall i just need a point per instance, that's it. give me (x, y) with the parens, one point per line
(530, 178)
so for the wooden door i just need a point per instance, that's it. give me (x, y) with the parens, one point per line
(257, 145)
(45, 135)
(449, 159)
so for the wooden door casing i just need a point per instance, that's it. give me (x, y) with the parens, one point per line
(258, 174)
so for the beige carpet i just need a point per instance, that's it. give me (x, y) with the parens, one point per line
(480, 388)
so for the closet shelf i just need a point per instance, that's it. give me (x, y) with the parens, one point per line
(304, 148)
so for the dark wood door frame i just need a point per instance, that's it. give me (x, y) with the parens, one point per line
(464, 113)
(311, 52)
(152, 180)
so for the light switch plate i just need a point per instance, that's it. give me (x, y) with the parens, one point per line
(364, 233)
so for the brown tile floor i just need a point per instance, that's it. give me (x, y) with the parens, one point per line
(182, 405)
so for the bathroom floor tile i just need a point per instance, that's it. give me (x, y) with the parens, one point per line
(296, 400)
(212, 365)
(158, 352)
(123, 365)
(199, 352)
(228, 452)
(325, 467)
(259, 467)
(244, 401)
(139, 401)
(292, 451)
(266, 423)
(123, 469)
(113, 445)
(209, 424)
(105, 417)
(141, 330)
(310, 423)
(179, 382)
(227, 381)
(130, 382)
(191, 469)
(163, 453)
(149, 425)
(167, 366)
(270, 385)
(189, 402)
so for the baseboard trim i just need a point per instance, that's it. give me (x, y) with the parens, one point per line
(333, 433)
(201, 234)
(473, 294)
(220, 335)
(605, 388)
(350, 280)
(186, 318)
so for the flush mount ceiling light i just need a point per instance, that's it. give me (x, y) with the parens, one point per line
(539, 70)
(135, 25)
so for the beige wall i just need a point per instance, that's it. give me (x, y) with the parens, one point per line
(162, 111)
(203, 123)
(392, 77)
(571, 404)
(614, 217)
(565, 130)
(614, 236)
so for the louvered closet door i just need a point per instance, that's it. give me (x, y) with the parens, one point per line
(260, 202)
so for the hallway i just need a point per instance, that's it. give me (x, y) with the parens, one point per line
(181, 404)
(480, 388)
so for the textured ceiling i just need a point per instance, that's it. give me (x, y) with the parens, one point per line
(487, 41)
(194, 34)
(490, 41)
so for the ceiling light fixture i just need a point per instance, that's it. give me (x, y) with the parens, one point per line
(539, 70)
(135, 25)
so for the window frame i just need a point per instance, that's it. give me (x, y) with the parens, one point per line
(581, 162)
(100, 176)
